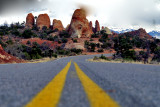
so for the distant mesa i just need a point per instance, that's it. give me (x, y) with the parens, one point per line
(57, 24)
(29, 21)
(43, 20)
(141, 33)
(79, 26)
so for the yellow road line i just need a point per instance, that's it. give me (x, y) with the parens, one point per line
(96, 95)
(50, 95)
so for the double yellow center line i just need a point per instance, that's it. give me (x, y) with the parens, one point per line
(50, 95)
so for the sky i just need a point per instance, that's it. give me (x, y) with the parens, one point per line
(114, 14)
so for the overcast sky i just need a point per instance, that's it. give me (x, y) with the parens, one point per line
(115, 14)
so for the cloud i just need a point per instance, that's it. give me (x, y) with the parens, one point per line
(111, 13)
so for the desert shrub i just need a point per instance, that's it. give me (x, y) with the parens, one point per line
(104, 38)
(64, 40)
(35, 28)
(44, 28)
(77, 51)
(75, 40)
(64, 34)
(130, 54)
(91, 39)
(105, 45)
(50, 38)
(104, 57)
(157, 54)
(86, 43)
(63, 52)
(10, 42)
(94, 36)
(43, 35)
(54, 55)
(59, 42)
(100, 50)
(15, 32)
(28, 34)
(93, 45)
(2, 44)
(28, 43)
(95, 58)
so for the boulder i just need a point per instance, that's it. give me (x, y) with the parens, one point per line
(43, 20)
(57, 24)
(79, 26)
(29, 21)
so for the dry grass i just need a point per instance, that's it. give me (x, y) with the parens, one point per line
(119, 61)
(41, 60)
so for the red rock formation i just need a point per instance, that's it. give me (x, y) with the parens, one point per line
(1, 48)
(67, 28)
(29, 21)
(57, 24)
(51, 45)
(7, 58)
(43, 20)
(97, 26)
(90, 25)
(79, 26)
(141, 33)
(102, 27)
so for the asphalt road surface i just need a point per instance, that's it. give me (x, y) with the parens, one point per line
(75, 82)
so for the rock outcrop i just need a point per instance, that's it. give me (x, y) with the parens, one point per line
(43, 20)
(67, 27)
(141, 33)
(57, 24)
(79, 26)
(97, 26)
(90, 25)
(7, 58)
(108, 31)
(102, 27)
(1, 49)
(29, 21)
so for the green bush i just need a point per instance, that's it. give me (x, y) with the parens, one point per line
(64, 34)
(75, 40)
(64, 40)
(16, 32)
(100, 50)
(28, 34)
(2, 44)
(95, 58)
(54, 55)
(77, 51)
(10, 42)
(28, 43)
(104, 57)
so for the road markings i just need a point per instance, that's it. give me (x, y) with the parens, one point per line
(50, 95)
(96, 95)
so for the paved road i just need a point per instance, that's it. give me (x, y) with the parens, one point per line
(75, 82)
